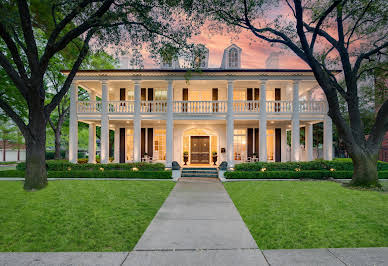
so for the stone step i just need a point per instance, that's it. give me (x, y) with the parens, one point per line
(199, 168)
(199, 171)
(198, 175)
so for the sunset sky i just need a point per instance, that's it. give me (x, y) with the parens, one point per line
(254, 52)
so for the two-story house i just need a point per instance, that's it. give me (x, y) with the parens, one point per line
(240, 114)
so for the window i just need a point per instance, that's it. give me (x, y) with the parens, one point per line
(159, 144)
(240, 144)
(233, 58)
(270, 144)
(131, 95)
(129, 142)
(160, 94)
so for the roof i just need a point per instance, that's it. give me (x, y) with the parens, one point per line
(207, 70)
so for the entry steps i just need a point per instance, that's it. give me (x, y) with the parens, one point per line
(207, 172)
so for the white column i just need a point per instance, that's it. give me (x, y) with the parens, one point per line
(327, 138)
(73, 124)
(137, 124)
(230, 126)
(295, 124)
(309, 141)
(92, 143)
(104, 123)
(263, 123)
(117, 145)
(169, 126)
(283, 144)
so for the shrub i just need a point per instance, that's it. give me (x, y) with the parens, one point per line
(110, 174)
(306, 174)
(63, 165)
(11, 173)
(337, 164)
(7, 163)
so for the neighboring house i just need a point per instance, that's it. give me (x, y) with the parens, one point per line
(11, 152)
(234, 112)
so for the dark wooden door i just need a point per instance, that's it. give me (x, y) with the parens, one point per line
(277, 98)
(185, 97)
(215, 98)
(199, 149)
(122, 145)
(278, 145)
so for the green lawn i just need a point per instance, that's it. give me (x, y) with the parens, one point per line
(318, 214)
(78, 215)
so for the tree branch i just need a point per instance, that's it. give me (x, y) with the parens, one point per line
(367, 55)
(14, 76)
(13, 115)
(379, 128)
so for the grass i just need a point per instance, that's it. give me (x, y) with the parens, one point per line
(4, 168)
(305, 214)
(78, 215)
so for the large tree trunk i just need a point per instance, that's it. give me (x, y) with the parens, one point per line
(36, 172)
(57, 155)
(365, 169)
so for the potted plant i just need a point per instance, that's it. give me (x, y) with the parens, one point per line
(185, 157)
(214, 157)
(254, 155)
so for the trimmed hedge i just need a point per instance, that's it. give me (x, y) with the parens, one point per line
(339, 165)
(96, 174)
(306, 174)
(62, 165)
(7, 163)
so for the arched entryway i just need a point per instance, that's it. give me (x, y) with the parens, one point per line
(200, 144)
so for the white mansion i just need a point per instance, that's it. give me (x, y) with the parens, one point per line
(160, 114)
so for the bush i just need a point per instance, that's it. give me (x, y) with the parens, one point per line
(306, 174)
(11, 173)
(63, 165)
(7, 163)
(95, 174)
(337, 164)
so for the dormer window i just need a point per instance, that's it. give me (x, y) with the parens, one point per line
(201, 57)
(233, 58)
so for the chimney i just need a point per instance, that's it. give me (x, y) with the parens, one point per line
(272, 61)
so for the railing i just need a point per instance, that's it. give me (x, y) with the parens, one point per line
(121, 107)
(278, 106)
(312, 107)
(88, 107)
(246, 106)
(199, 106)
(153, 107)
(196, 107)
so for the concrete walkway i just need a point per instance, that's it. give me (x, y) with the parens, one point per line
(198, 224)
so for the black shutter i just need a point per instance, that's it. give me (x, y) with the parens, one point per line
(257, 141)
(143, 94)
(257, 94)
(215, 98)
(122, 145)
(249, 94)
(142, 140)
(122, 94)
(185, 97)
(278, 145)
(150, 142)
(250, 142)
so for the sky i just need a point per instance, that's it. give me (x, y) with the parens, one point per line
(254, 52)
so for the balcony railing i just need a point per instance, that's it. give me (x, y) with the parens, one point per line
(202, 107)
(199, 107)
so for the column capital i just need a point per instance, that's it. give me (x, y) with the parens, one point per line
(263, 82)
(230, 81)
(136, 81)
(104, 82)
(295, 82)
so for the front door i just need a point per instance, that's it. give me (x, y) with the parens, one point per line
(199, 149)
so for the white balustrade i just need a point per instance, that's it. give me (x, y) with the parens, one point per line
(246, 106)
(153, 107)
(312, 107)
(89, 106)
(121, 106)
(199, 106)
(279, 106)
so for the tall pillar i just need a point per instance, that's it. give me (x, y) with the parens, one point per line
(309, 142)
(295, 133)
(104, 123)
(169, 126)
(73, 124)
(92, 143)
(327, 138)
(230, 126)
(137, 123)
(283, 144)
(263, 123)
(117, 145)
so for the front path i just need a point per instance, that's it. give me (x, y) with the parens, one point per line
(198, 224)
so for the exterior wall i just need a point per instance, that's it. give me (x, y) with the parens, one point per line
(12, 155)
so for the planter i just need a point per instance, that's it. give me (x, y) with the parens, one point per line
(185, 159)
(214, 159)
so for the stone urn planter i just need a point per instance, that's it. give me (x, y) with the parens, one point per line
(185, 157)
(214, 158)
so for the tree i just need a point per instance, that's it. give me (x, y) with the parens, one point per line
(324, 34)
(146, 24)
(94, 60)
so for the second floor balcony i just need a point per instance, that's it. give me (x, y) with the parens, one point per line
(202, 107)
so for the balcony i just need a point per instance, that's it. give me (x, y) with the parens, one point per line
(201, 107)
